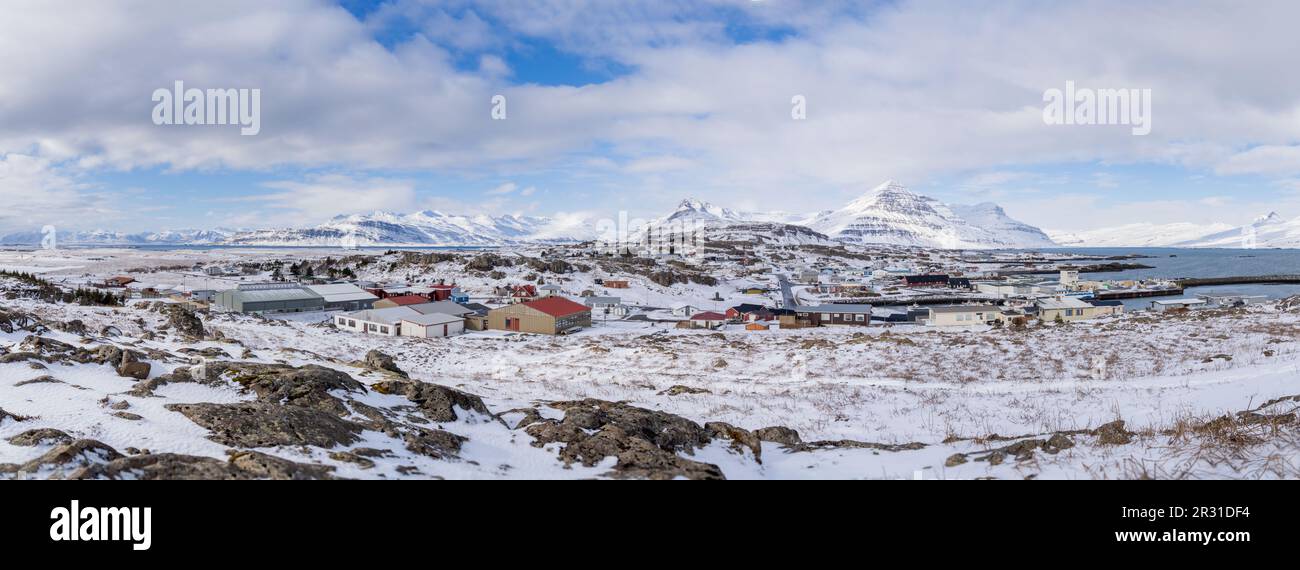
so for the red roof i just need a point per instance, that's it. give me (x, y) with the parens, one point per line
(557, 306)
(709, 316)
(403, 300)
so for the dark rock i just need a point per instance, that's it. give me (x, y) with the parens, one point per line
(434, 443)
(137, 370)
(169, 466)
(34, 437)
(778, 434)
(1058, 442)
(5, 416)
(75, 455)
(72, 327)
(646, 443)
(145, 388)
(438, 403)
(955, 460)
(308, 386)
(741, 439)
(349, 457)
(260, 424)
(128, 416)
(678, 390)
(377, 360)
(184, 321)
(46, 379)
(1113, 433)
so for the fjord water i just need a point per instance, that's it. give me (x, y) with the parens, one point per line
(1174, 263)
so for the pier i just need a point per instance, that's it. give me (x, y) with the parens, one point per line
(1243, 280)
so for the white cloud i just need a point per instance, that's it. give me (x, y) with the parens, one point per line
(912, 91)
(35, 192)
(297, 203)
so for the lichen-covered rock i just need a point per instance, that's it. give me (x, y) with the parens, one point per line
(60, 461)
(778, 434)
(137, 370)
(645, 442)
(309, 386)
(1113, 433)
(41, 436)
(376, 360)
(438, 403)
(169, 466)
(261, 424)
(182, 320)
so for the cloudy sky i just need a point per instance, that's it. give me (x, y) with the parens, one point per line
(634, 104)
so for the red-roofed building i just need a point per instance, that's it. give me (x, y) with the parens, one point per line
(401, 301)
(551, 315)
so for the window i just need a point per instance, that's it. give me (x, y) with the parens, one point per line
(383, 330)
(859, 318)
(826, 316)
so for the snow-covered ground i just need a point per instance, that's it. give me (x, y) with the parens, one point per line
(911, 401)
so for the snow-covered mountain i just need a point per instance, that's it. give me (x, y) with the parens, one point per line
(892, 214)
(889, 214)
(1269, 230)
(429, 228)
(727, 225)
(108, 238)
(1138, 235)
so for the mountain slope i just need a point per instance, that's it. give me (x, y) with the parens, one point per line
(1138, 235)
(892, 214)
(430, 228)
(1269, 230)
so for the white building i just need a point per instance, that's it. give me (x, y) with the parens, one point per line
(684, 310)
(1163, 305)
(607, 307)
(383, 322)
(963, 315)
(433, 325)
(390, 321)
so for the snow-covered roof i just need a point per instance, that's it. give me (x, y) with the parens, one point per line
(389, 316)
(432, 319)
(1062, 303)
(274, 295)
(341, 293)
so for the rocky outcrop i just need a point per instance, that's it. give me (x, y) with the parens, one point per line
(183, 321)
(60, 461)
(240, 466)
(376, 360)
(42, 436)
(261, 424)
(646, 443)
(778, 434)
(6, 416)
(12, 321)
(308, 386)
(678, 390)
(438, 403)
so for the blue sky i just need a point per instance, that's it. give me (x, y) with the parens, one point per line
(636, 104)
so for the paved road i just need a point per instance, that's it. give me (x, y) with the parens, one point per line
(788, 300)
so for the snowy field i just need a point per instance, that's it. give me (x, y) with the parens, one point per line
(883, 402)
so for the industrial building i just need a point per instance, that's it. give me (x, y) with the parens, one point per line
(269, 298)
(552, 315)
(344, 297)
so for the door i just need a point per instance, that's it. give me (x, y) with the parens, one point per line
(512, 324)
